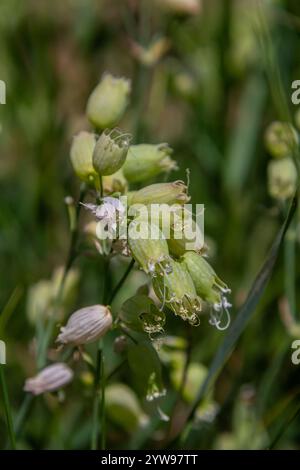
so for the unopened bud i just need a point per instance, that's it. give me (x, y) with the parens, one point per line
(49, 379)
(282, 178)
(81, 155)
(86, 325)
(176, 289)
(108, 101)
(110, 152)
(145, 161)
(281, 139)
(162, 193)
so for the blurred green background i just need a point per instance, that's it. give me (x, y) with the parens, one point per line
(204, 79)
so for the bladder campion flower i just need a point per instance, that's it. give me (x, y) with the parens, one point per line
(108, 101)
(145, 161)
(86, 325)
(176, 290)
(208, 286)
(110, 151)
(49, 379)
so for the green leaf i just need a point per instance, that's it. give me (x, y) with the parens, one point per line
(145, 366)
(140, 314)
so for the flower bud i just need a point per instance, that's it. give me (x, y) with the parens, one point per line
(81, 155)
(86, 325)
(148, 246)
(176, 289)
(208, 285)
(162, 193)
(110, 152)
(281, 139)
(49, 379)
(108, 101)
(145, 161)
(282, 178)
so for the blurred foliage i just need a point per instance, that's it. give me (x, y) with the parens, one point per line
(204, 82)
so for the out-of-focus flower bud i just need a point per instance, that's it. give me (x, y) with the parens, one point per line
(176, 289)
(123, 407)
(108, 101)
(86, 325)
(281, 139)
(188, 7)
(49, 379)
(162, 193)
(115, 183)
(150, 55)
(145, 161)
(81, 155)
(42, 295)
(148, 247)
(110, 152)
(282, 178)
(120, 344)
(208, 285)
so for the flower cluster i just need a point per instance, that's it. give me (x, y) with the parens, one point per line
(182, 279)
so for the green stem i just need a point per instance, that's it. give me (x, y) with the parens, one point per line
(102, 405)
(121, 282)
(7, 408)
(95, 427)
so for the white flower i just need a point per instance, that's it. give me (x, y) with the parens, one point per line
(109, 212)
(49, 379)
(86, 325)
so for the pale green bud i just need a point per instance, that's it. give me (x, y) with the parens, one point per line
(208, 286)
(148, 246)
(162, 193)
(176, 290)
(108, 101)
(281, 139)
(282, 178)
(145, 161)
(81, 155)
(110, 152)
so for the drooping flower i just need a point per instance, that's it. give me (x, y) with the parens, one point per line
(209, 287)
(49, 379)
(86, 325)
(176, 290)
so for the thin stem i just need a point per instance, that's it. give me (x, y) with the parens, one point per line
(102, 405)
(101, 186)
(95, 428)
(7, 408)
(121, 282)
(24, 410)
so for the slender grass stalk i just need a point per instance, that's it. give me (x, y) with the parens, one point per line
(7, 409)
